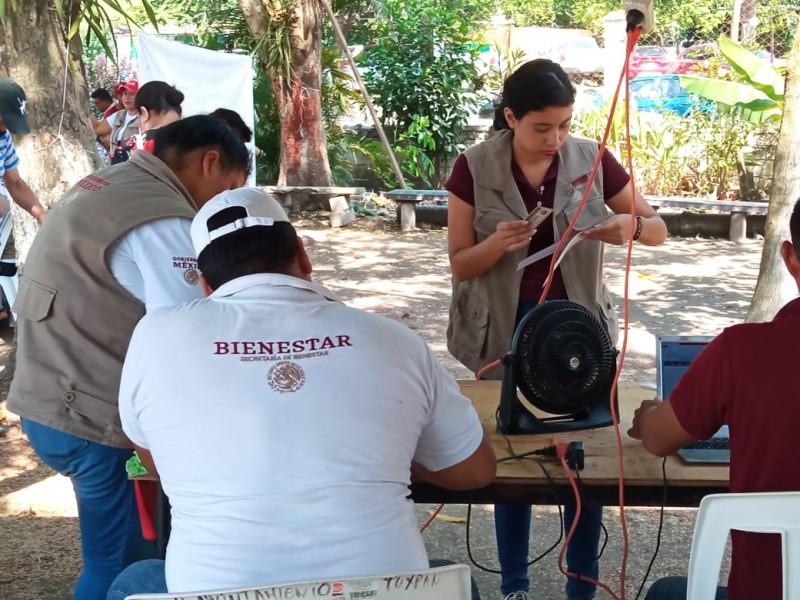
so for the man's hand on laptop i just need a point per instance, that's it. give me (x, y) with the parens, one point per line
(635, 430)
(656, 424)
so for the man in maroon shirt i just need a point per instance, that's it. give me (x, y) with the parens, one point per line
(745, 378)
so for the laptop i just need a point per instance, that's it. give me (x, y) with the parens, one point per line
(674, 354)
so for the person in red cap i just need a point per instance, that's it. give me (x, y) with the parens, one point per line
(121, 125)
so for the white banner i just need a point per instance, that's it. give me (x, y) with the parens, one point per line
(208, 79)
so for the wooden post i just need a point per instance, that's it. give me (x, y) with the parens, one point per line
(357, 76)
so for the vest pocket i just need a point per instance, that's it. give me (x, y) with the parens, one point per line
(593, 213)
(95, 409)
(34, 300)
(487, 219)
(470, 326)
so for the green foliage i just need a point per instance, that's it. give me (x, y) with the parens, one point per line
(5, 7)
(96, 18)
(222, 27)
(685, 23)
(421, 72)
(678, 21)
(758, 95)
(417, 144)
(530, 12)
(694, 155)
(505, 66)
(777, 22)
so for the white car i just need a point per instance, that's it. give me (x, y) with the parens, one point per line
(578, 55)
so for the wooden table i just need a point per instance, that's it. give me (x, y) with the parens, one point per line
(524, 481)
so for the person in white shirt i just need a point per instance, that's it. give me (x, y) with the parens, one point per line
(115, 246)
(287, 443)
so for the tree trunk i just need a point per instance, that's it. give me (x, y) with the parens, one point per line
(60, 149)
(304, 155)
(775, 287)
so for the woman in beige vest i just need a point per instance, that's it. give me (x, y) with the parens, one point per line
(534, 161)
(122, 124)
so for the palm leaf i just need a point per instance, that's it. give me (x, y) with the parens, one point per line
(759, 73)
(745, 101)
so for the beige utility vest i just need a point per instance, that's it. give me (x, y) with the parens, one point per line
(74, 320)
(117, 121)
(482, 309)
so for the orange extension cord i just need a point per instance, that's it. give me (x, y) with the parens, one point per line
(633, 38)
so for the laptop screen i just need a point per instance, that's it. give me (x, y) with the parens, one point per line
(674, 353)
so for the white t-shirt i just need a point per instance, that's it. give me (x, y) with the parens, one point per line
(155, 262)
(283, 424)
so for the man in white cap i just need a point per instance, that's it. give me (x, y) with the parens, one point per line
(286, 435)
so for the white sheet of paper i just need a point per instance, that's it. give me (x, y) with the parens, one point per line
(544, 253)
(529, 260)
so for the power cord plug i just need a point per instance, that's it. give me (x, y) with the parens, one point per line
(572, 453)
(575, 456)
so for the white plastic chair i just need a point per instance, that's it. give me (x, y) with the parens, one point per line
(768, 512)
(451, 582)
(9, 284)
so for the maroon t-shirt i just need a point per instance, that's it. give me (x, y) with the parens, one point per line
(461, 184)
(747, 377)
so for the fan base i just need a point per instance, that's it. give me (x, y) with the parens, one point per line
(513, 417)
(519, 419)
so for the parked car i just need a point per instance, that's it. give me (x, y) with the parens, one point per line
(656, 60)
(663, 93)
(648, 60)
(578, 55)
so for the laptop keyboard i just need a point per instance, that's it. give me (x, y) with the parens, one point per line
(712, 444)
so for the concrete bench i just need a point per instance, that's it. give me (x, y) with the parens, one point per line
(407, 201)
(738, 210)
(341, 211)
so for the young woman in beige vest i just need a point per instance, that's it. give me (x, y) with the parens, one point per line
(533, 161)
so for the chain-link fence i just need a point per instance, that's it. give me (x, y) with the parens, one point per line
(684, 144)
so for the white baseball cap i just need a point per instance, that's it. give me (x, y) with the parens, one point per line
(261, 208)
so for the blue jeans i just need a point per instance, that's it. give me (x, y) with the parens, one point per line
(147, 577)
(111, 536)
(674, 588)
(513, 525)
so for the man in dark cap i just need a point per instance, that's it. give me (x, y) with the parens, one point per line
(13, 105)
(12, 120)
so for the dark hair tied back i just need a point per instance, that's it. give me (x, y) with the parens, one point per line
(172, 142)
(535, 86)
(159, 97)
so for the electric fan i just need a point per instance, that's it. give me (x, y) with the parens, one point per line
(563, 363)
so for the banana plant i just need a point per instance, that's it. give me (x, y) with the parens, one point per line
(757, 98)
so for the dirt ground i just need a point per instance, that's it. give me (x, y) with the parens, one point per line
(688, 286)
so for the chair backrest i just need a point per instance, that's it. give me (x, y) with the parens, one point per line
(6, 227)
(768, 512)
(442, 583)
(9, 284)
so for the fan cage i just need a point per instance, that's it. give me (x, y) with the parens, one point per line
(563, 357)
